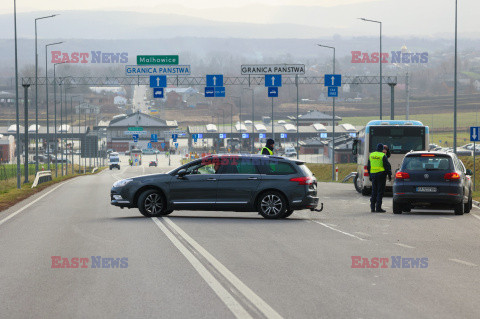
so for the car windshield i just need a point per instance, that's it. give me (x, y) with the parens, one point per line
(426, 162)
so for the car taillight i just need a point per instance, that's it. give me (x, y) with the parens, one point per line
(402, 175)
(365, 171)
(307, 180)
(451, 176)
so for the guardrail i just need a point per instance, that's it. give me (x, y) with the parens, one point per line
(42, 177)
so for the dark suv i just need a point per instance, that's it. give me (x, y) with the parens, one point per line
(273, 186)
(432, 179)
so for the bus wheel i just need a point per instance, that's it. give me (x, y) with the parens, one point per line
(356, 182)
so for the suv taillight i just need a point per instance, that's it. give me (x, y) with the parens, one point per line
(307, 180)
(402, 175)
(365, 171)
(451, 176)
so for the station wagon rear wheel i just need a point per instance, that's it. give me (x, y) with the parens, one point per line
(272, 205)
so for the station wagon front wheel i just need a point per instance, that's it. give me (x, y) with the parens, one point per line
(152, 204)
(272, 205)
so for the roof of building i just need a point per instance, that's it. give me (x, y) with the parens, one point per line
(141, 120)
(314, 115)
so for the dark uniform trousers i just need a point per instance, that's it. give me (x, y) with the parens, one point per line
(378, 188)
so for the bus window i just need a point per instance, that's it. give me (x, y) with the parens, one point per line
(400, 140)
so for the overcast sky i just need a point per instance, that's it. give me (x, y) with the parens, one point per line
(399, 17)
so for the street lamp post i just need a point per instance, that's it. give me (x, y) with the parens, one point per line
(380, 59)
(253, 118)
(36, 90)
(46, 90)
(71, 121)
(455, 90)
(17, 142)
(55, 111)
(333, 116)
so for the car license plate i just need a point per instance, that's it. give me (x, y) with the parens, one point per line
(427, 189)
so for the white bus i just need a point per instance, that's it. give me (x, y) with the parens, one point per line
(400, 136)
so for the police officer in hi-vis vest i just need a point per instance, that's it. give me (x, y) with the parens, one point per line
(378, 169)
(268, 149)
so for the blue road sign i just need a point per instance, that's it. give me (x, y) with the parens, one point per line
(333, 80)
(219, 91)
(333, 91)
(209, 91)
(273, 91)
(163, 145)
(158, 93)
(135, 137)
(200, 135)
(474, 131)
(323, 135)
(262, 135)
(214, 79)
(154, 138)
(222, 135)
(174, 136)
(158, 81)
(273, 80)
(283, 135)
(176, 145)
(245, 135)
(149, 145)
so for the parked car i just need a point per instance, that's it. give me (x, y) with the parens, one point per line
(436, 180)
(290, 152)
(273, 186)
(152, 163)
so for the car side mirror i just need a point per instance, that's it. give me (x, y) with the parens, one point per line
(469, 172)
(182, 172)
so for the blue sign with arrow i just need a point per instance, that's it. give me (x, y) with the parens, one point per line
(214, 80)
(333, 91)
(273, 91)
(176, 145)
(158, 93)
(273, 80)
(149, 145)
(333, 80)
(158, 81)
(474, 137)
(154, 138)
(163, 145)
(135, 137)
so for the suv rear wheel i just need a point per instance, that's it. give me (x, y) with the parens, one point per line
(468, 206)
(152, 204)
(397, 208)
(272, 205)
(459, 209)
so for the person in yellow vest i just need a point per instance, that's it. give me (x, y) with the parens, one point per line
(378, 169)
(268, 149)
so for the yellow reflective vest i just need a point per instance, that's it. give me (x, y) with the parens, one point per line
(266, 148)
(376, 162)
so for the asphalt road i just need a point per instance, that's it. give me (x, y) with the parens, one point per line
(224, 264)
